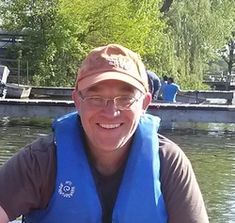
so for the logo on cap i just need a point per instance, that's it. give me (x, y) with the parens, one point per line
(119, 62)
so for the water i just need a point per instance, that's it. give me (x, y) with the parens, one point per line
(210, 147)
(211, 150)
(14, 134)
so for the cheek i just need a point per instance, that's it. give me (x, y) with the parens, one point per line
(86, 116)
(85, 122)
(134, 118)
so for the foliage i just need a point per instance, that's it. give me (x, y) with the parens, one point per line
(179, 42)
(196, 29)
(50, 58)
(61, 32)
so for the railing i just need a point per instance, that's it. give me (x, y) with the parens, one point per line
(220, 77)
(19, 70)
(221, 81)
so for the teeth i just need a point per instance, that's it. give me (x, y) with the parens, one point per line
(109, 126)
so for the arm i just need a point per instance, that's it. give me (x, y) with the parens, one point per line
(179, 89)
(27, 177)
(157, 86)
(180, 189)
(3, 216)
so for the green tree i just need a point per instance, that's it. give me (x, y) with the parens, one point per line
(61, 32)
(196, 30)
(179, 41)
(135, 24)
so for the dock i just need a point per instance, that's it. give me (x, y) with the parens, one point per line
(64, 93)
(42, 108)
(219, 85)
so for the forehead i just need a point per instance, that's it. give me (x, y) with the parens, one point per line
(109, 85)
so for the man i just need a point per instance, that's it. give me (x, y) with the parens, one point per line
(163, 83)
(154, 84)
(170, 90)
(108, 164)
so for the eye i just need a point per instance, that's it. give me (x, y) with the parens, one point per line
(124, 100)
(95, 100)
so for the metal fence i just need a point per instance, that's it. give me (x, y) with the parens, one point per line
(19, 70)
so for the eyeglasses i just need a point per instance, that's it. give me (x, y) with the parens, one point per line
(120, 102)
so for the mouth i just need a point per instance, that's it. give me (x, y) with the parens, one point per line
(109, 126)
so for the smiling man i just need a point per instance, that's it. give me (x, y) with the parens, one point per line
(107, 164)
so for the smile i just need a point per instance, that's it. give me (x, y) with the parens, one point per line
(109, 126)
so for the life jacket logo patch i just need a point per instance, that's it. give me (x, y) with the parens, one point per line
(66, 189)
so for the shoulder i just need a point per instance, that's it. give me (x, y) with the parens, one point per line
(174, 163)
(32, 170)
(40, 150)
(36, 156)
(179, 186)
(173, 159)
(153, 75)
(170, 151)
(176, 85)
(40, 156)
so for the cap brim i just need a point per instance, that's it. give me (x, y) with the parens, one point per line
(109, 75)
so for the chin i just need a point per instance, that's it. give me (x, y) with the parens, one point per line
(110, 147)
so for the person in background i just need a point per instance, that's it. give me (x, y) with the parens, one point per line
(107, 163)
(163, 83)
(170, 90)
(164, 80)
(154, 84)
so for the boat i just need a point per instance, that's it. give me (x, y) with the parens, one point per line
(18, 91)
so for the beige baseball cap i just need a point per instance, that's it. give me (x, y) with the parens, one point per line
(112, 62)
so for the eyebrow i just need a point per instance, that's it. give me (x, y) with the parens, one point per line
(125, 88)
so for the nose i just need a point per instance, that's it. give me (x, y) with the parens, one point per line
(110, 108)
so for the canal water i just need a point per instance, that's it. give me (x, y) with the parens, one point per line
(210, 147)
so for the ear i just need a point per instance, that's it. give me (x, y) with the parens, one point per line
(75, 98)
(147, 100)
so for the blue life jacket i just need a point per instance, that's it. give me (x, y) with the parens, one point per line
(75, 198)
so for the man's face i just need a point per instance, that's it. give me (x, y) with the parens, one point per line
(109, 128)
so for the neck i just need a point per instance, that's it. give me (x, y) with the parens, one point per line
(107, 163)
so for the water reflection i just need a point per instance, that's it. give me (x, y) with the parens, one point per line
(16, 133)
(210, 147)
(212, 152)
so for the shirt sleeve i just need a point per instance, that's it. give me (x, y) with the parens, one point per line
(180, 188)
(178, 88)
(27, 179)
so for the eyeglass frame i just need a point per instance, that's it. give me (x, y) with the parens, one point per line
(114, 100)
